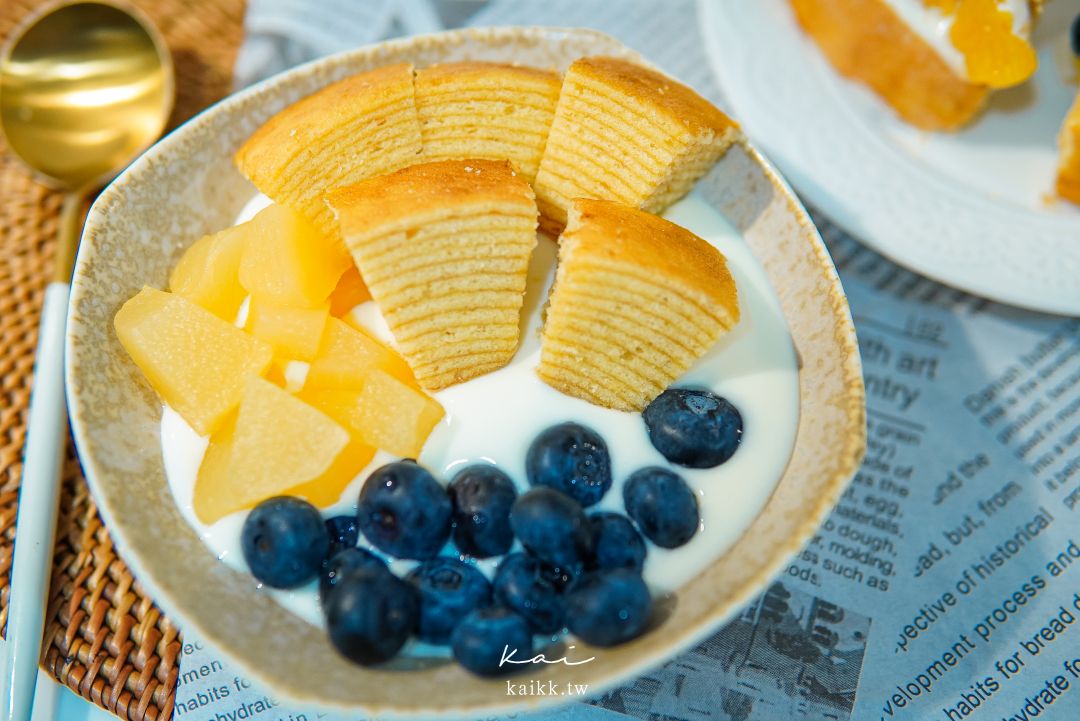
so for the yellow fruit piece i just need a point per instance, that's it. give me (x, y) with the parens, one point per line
(350, 292)
(288, 262)
(292, 332)
(209, 272)
(278, 442)
(347, 355)
(385, 412)
(994, 55)
(326, 490)
(197, 362)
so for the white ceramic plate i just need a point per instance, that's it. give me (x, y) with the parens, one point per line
(973, 209)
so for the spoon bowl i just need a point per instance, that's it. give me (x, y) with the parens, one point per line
(84, 88)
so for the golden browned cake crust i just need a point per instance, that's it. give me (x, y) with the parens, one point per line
(361, 126)
(1068, 178)
(486, 110)
(444, 249)
(636, 301)
(883, 52)
(627, 133)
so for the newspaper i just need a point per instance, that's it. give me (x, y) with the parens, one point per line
(946, 583)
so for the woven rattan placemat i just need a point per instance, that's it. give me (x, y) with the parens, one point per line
(103, 638)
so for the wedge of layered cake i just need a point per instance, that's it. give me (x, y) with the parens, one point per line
(627, 133)
(444, 249)
(636, 301)
(359, 127)
(486, 110)
(934, 61)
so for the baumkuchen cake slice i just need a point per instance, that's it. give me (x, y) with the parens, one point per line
(359, 127)
(636, 301)
(627, 133)
(444, 249)
(486, 110)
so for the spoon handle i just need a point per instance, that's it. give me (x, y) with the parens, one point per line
(35, 525)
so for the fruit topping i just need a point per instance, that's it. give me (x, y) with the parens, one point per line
(694, 428)
(617, 544)
(350, 292)
(344, 533)
(168, 336)
(347, 355)
(449, 590)
(994, 54)
(208, 273)
(278, 443)
(482, 496)
(346, 563)
(370, 615)
(292, 332)
(662, 505)
(288, 262)
(284, 541)
(404, 511)
(573, 459)
(553, 528)
(489, 636)
(608, 607)
(532, 589)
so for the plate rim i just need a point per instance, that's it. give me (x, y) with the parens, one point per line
(868, 225)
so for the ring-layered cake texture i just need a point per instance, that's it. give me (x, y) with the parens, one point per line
(444, 248)
(626, 133)
(486, 110)
(356, 128)
(636, 301)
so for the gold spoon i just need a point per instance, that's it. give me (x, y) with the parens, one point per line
(84, 88)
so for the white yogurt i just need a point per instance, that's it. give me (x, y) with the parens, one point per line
(933, 26)
(494, 418)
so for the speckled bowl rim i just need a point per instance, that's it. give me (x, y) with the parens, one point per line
(411, 694)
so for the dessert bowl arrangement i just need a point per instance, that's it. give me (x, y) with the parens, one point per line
(567, 365)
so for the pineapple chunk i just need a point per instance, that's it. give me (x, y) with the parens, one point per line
(385, 412)
(278, 442)
(326, 490)
(350, 292)
(209, 272)
(347, 356)
(292, 332)
(288, 262)
(197, 362)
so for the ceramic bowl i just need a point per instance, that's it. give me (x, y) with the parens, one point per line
(186, 186)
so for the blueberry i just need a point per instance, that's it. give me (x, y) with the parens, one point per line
(617, 543)
(449, 590)
(552, 527)
(370, 615)
(344, 533)
(608, 607)
(573, 459)
(1074, 36)
(284, 541)
(482, 496)
(404, 511)
(696, 429)
(662, 505)
(489, 635)
(344, 563)
(531, 589)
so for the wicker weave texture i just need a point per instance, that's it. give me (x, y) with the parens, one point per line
(104, 638)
